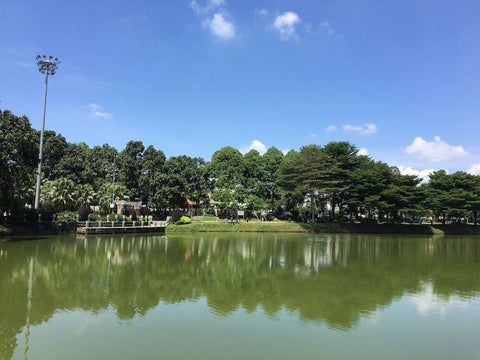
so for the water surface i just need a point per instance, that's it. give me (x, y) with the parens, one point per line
(240, 296)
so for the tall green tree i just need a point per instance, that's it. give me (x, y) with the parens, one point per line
(271, 161)
(130, 164)
(18, 161)
(312, 172)
(153, 162)
(75, 164)
(55, 148)
(61, 193)
(101, 165)
(345, 157)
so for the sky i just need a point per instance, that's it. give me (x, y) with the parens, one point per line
(399, 79)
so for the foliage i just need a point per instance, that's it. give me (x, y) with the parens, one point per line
(316, 183)
(18, 161)
(183, 220)
(61, 193)
(94, 216)
(83, 213)
(67, 216)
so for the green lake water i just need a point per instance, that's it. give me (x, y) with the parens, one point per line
(240, 296)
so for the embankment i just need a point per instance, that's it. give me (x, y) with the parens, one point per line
(279, 227)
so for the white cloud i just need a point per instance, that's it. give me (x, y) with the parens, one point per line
(285, 24)
(363, 151)
(313, 136)
(474, 169)
(286, 151)
(96, 111)
(325, 26)
(210, 5)
(331, 128)
(422, 174)
(220, 28)
(261, 12)
(255, 145)
(365, 129)
(436, 151)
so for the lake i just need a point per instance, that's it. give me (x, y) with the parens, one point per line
(240, 296)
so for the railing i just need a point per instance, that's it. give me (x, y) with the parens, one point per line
(137, 223)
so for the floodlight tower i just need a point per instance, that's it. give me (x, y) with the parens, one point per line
(47, 66)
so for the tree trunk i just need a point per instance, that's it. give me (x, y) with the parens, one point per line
(332, 218)
(312, 209)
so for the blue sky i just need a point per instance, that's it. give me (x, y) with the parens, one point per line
(400, 79)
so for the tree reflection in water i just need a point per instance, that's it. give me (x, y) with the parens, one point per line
(332, 279)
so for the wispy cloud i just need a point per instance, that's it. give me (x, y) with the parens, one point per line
(285, 24)
(435, 151)
(327, 28)
(27, 65)
(96, 111)
(255, 145)
(220, 27)
(331, 128)
(365, 129)
(209, 6)
(261, 12)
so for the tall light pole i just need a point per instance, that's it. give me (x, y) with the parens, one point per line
(47, 66)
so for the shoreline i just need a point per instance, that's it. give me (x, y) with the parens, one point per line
(274, 227)
(352, 228)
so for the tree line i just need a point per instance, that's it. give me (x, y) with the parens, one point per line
(317, 182)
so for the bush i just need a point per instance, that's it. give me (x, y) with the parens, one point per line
(94, 216)
(67, 216)
(112, 217)
(83, 213)
(47, 211)
(183, 220)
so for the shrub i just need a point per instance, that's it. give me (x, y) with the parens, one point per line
(47, 211)
(112, 217)
(94, 216)
(183, 220)
(67, 216)
(83, 213)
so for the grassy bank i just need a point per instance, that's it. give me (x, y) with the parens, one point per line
(281, 227)
(284, 227)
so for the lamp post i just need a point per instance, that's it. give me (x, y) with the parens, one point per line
(47, 66)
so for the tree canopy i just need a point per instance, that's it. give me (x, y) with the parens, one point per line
(317, 182)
